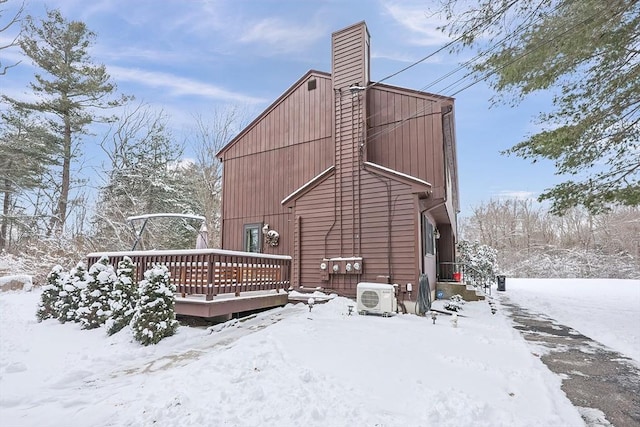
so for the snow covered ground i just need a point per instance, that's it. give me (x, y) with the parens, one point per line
(292, 367)
(605, 310)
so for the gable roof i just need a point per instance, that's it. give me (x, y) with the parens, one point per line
(418, 186)
(285, 95)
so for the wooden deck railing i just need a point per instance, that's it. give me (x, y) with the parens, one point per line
(210, 272)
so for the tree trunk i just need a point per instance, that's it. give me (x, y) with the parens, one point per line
(60, 216)
(6, 200)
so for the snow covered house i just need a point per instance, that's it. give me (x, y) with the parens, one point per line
(355, 180)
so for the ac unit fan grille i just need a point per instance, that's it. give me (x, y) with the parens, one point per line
(369, 299)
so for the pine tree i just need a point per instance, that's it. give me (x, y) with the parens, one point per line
(72, 89)
(122, 299)
(480, 261)
(586, 53)
(94, 309)
(51, 293)
(26, 151)
(70, 295)
(146, 175)
(155, 317)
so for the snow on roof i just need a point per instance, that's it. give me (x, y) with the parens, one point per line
(165, 215)
(308, 185)
(399, 174)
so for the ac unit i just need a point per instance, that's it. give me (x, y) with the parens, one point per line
(377, 298)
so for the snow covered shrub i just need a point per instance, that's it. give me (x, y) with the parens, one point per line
(480, 262)
(69, 300)
(455, 303)
(51, 293)
(457, 298)
(122, 299)
(154, 317)
(93, 308)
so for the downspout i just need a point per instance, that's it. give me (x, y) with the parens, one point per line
(387, 183)
(335, 179)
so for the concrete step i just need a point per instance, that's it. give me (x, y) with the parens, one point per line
(445, 290)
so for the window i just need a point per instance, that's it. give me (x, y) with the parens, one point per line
(428, 243)
(252, 237)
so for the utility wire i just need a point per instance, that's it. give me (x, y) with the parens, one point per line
(446, 46)
(486, 75)
(525, 25)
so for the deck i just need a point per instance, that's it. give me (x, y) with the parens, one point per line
(215, 282)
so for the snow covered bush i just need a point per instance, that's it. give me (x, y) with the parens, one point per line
(154, 317)
(93, 308)
(69, 300)
(51, 293)
(480, 262)
(122, 299)
(455, 303)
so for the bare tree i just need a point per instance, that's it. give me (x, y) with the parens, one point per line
(13, 20)
(209, 137)
(531, 241)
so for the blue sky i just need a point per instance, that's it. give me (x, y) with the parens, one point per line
(195, 57)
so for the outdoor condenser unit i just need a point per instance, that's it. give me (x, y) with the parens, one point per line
(376, 298)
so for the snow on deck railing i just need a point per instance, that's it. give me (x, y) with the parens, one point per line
(210, 272)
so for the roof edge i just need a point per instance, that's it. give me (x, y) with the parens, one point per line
(307, 186)
(417, 185)
(271, 107)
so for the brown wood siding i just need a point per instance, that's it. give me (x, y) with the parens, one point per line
(302, 116)
(404, 133)
(382, 201)
(284, 150)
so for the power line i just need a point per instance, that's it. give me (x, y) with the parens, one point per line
(446, 46)
(488, 74)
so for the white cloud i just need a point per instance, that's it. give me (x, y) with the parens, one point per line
(281, 36)
(416, 19)
(179, 86)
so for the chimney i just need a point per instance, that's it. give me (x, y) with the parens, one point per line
(350, 56)
(350, 76)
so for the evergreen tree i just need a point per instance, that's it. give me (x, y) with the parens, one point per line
(480, 261)
(93, 308)
(122, 299)
(71, 88)
(146, 176)
(154, 317)
(70, 295)
(586, 53)
(47, 307)
(26, 151)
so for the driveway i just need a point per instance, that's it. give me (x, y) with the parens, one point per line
(593, 376)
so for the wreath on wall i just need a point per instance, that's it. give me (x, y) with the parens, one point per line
(272, 237)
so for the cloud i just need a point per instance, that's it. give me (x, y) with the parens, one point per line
(416, 20)
(281, 36)
(179, 86)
